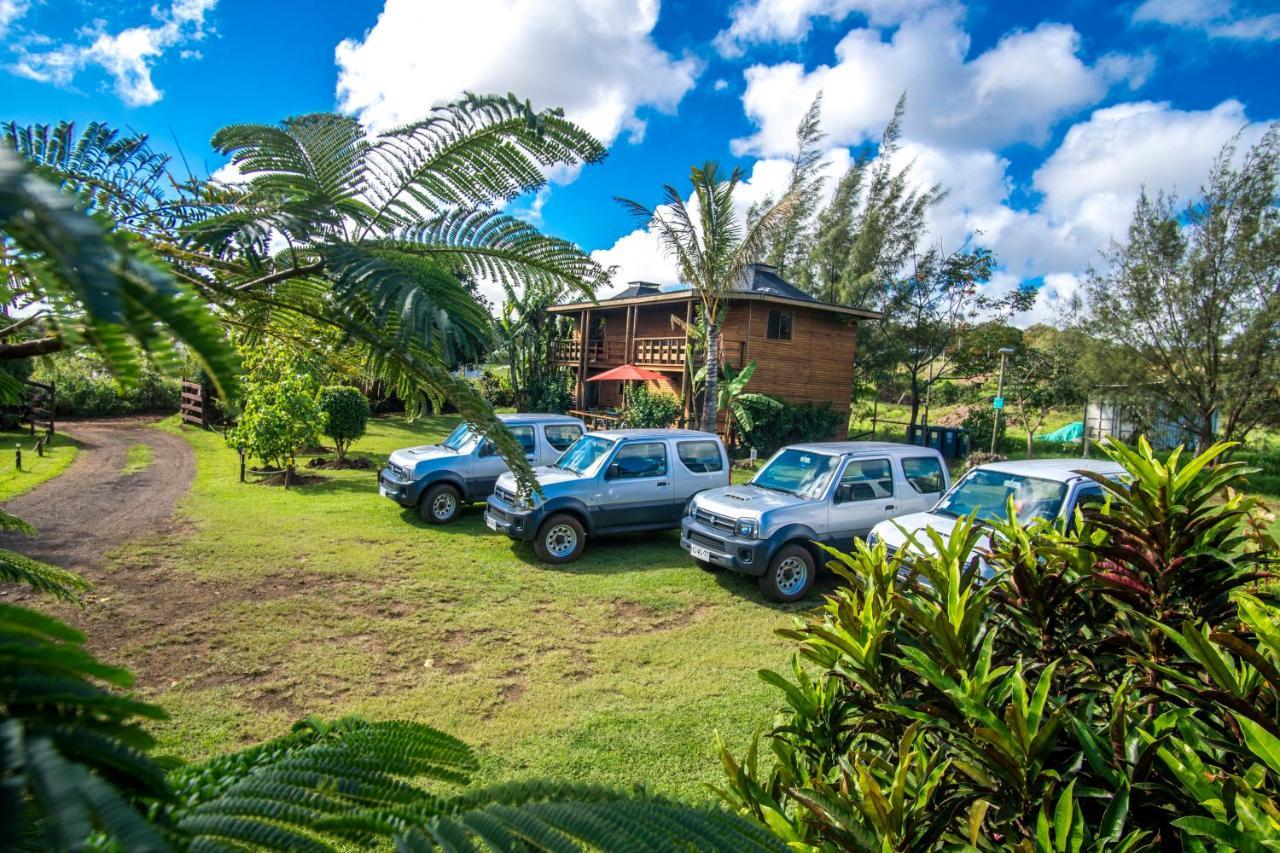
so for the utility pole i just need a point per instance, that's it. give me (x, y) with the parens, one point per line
(999, 404)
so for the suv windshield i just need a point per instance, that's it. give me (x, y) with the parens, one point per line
(461, 436)
(988, 491)
(583, 454)
(802, 473)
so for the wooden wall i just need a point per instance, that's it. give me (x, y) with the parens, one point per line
(815, 366)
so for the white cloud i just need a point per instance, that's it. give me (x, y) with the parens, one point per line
(595, 58)
(10, 12)
(1217, 18)
(1015, 91)
(128, 55)
(637, 256)
(756, 21)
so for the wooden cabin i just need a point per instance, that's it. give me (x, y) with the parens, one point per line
(803, 348)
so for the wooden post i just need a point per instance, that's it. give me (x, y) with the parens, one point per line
(242, 465)
(40, 446)
(17, 456)
(584, 339)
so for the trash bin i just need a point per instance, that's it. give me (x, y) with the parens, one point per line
(951, 442)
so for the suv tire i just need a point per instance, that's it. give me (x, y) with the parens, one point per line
(441, 504)
(790, 575)
(560, 539)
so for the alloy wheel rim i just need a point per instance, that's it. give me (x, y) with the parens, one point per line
(443, 506)
(561, 540)
(791, 575)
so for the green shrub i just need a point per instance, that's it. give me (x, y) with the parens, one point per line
(1111, 687)
(645, 409)
(549, 393)
(281, 416)
(496, 389)
(791, 423)
(84, 388)
(979, 423)
(346, 414)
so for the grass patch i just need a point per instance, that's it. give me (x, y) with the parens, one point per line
(328, 599)
(58, 454)
(137, 460)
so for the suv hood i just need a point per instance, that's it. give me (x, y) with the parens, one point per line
(548, 478)
(894, 532)
(745, 501)
(409, 457)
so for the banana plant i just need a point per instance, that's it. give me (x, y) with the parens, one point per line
(735, 399)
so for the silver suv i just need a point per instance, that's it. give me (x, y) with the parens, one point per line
(439, 478)
(827, 492)
(617, 481)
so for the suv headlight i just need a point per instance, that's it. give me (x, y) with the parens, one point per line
(691, 509)
(747, 528)
(872, 539)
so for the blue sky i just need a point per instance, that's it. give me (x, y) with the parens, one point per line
(1044, 119)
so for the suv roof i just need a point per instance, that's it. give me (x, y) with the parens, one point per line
(1062, 470)
(855, 448)
(654, 434)
(536, 418)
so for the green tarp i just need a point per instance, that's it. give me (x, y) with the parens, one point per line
(1070, 432)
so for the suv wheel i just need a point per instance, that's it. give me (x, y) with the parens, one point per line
(441, 504)
(560, 539)
(790, 575)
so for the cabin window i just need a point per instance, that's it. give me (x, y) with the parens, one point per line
(779, 325)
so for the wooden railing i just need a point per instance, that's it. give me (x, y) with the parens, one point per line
(597, 420)
(568, 352)
(659, 352)
(606, 352)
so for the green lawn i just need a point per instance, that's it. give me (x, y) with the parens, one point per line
(137, 459)
(327, 599)
(59, 453)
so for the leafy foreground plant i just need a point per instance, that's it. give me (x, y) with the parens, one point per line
(1112, 687)
(75, 773)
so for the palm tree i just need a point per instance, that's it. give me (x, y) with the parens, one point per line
(736, 400)
(711, 250)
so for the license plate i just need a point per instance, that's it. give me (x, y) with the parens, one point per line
(493, 525)
(382, 490)
(699, 553)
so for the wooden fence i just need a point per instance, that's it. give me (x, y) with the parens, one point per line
(37, 409)
(194, 409)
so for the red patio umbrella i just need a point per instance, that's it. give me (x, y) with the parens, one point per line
(627, 373)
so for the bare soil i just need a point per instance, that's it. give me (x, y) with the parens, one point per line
(93, 507)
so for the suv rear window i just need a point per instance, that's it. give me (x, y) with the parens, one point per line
(924, 473)
(561, 436)
(700, 457)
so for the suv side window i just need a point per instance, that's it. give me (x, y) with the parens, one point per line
(700, 457)
(647, 459)
(560, 436)
(865, 480)
(924, 473)
(525, 435)
(1090, 496)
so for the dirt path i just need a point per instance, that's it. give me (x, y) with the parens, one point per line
(92, 508)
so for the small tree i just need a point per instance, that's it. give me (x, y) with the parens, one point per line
(346, 414)
(645, 409)
(1040, 380)
(280, 415)
(737, 401)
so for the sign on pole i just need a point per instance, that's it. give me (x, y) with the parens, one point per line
(998, 403)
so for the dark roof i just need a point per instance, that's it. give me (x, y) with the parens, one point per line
(634, 289)
(760, 281)
(762, 278)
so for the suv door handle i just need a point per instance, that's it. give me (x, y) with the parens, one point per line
(890, 507)
(662, 484)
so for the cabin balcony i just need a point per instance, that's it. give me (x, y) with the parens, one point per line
(659, 352)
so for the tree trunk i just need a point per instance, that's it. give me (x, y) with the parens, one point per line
(710, 399)
(915, 399)
(1029, 447)
(1205, 436)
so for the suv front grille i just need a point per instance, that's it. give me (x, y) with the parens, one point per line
(719, 522)
(504, 495)
(699, 538)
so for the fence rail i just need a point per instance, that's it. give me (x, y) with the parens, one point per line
(193, 406)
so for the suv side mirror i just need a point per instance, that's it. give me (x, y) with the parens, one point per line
(488, 448)
(844, 493)
(612, 472)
